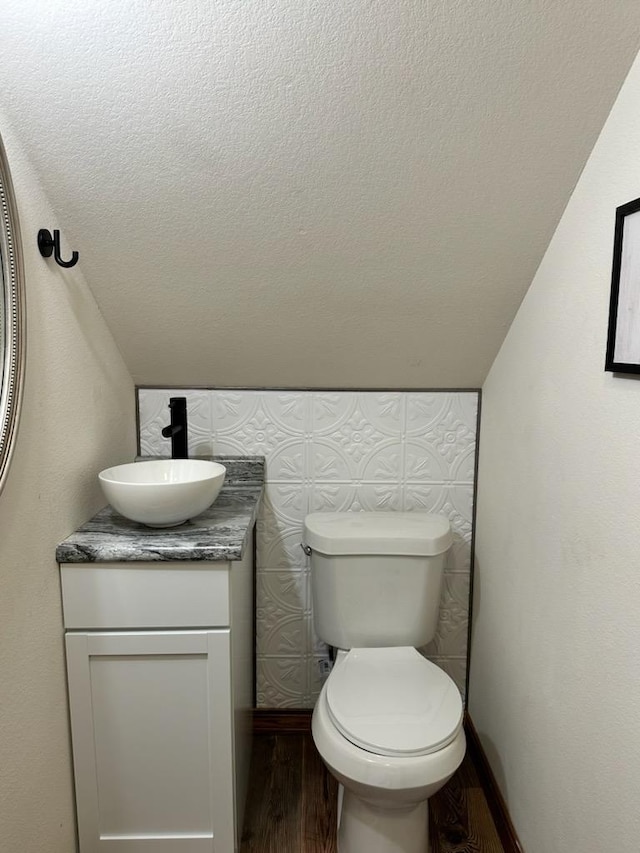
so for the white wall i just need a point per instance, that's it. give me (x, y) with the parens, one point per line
(555, 655)
(77, 417)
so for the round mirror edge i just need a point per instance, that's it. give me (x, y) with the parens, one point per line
(13, 355)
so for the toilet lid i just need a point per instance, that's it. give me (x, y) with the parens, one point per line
(392, 701)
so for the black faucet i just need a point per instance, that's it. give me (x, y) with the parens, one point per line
(177, 429)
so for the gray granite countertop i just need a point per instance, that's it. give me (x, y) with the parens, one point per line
(219, 533)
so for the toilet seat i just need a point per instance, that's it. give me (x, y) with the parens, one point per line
(393, 702)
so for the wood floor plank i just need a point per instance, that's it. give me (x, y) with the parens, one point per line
(460, 818)
(482, 822)
(273, 818)
(449, 820)
(467, 774)
(319, 803)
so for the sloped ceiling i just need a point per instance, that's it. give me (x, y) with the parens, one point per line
(311, 192)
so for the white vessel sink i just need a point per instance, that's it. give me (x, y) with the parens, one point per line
(163, 492)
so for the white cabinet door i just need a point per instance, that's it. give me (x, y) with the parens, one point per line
(152, 732)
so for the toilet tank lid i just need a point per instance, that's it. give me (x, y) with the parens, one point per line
(402, 533)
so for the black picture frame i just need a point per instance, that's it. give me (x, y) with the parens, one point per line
(623, 340)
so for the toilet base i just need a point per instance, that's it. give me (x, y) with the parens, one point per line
(367, 828)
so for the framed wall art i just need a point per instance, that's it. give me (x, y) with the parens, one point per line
(623, 342)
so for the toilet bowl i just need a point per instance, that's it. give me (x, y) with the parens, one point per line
(388, 725)
(388, 722)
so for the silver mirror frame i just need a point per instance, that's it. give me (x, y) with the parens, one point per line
(12, 318)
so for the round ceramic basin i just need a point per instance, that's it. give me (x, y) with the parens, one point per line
(163, 492)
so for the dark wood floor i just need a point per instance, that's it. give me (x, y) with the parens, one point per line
(291, 806)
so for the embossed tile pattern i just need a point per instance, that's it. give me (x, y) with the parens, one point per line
(334, 450)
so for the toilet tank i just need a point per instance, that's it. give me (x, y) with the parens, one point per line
(376, 576)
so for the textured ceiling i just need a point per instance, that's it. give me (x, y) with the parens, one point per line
(297, 192)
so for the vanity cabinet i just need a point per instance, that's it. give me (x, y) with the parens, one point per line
(160, 675)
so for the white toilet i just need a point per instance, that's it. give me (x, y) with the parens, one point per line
(388, 723)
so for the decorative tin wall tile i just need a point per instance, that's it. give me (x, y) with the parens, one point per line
(154, 414)
(331, 497)
(465, 405)
(423, 463)
(290, 409)
(453, 623)
(463, 467)
(281, 626)
(424, 409)
(421, 496)
(326, 451)
(279, 527)
(363, 456)
(354, 497)
(331, 409)
(288, 461)
(281, 681)
(449, 436)
(458, 558)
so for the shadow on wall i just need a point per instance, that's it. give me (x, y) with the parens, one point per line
(487, 744)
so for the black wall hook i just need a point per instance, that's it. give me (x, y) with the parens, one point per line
(48, 244)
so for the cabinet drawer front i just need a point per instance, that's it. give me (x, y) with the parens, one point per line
(145, 595)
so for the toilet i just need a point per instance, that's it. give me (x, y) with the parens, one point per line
(388, 722)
